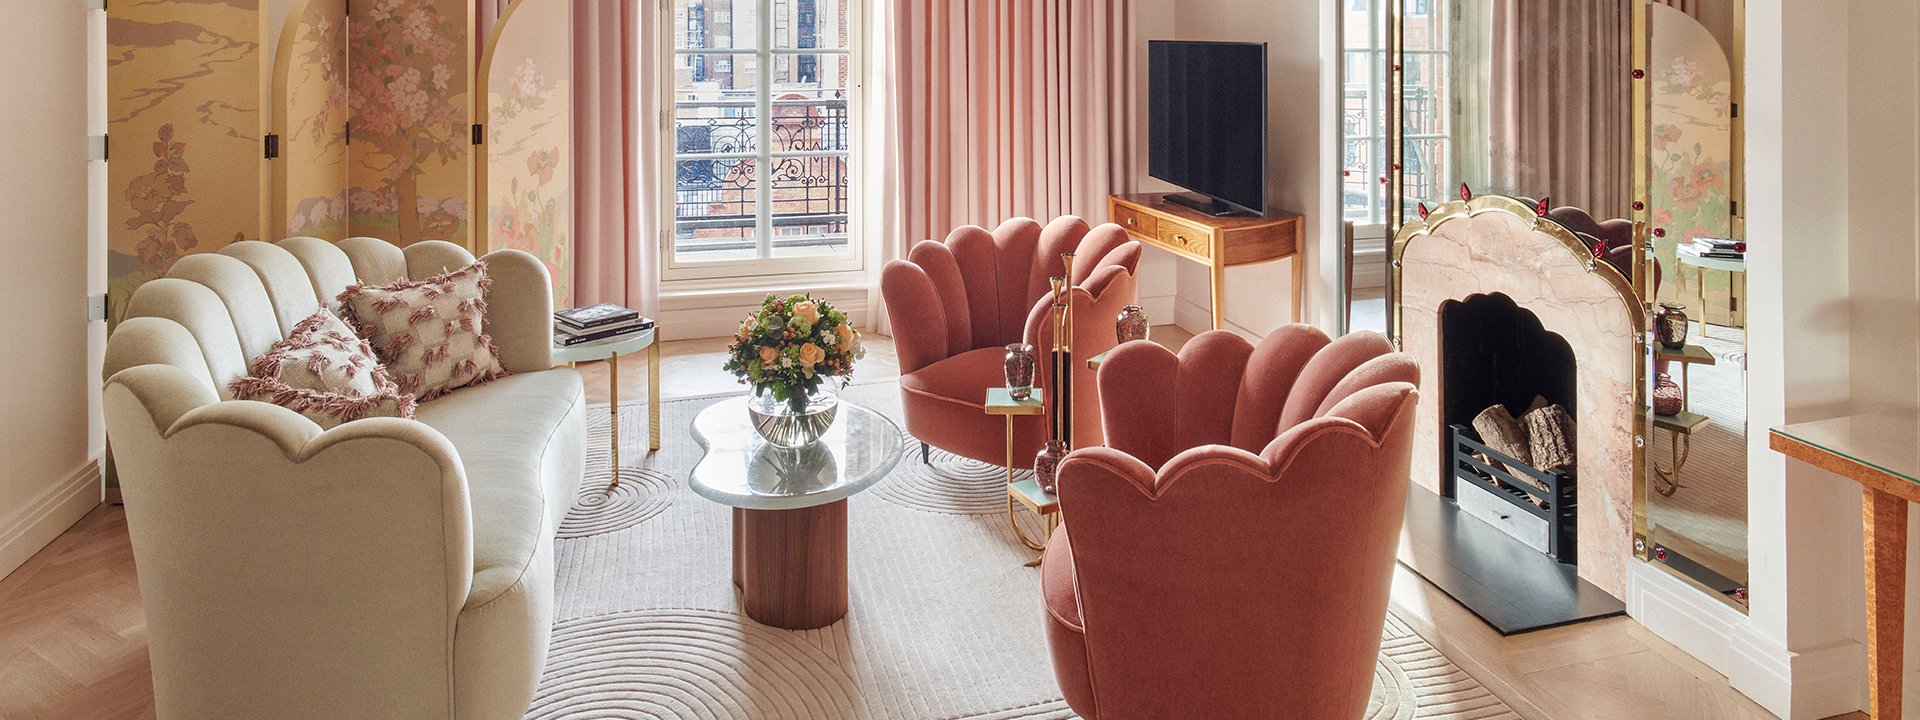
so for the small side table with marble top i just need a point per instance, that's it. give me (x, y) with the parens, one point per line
(790, 506)
(610, 350)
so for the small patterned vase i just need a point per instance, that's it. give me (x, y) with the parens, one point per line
(1670, 326)
(1046, 463)
(1667, 398)
(1132, 324)
(1019, 366)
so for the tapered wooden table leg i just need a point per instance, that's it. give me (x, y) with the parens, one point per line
(1886, 536)
(791, 565)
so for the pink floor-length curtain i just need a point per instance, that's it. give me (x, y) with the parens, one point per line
(1005, 108)
(1560, 102)
(616, 244)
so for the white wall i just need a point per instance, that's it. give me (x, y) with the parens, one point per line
(1302, 162)
(46, 433)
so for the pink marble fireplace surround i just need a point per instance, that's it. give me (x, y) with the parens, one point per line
(1495, 244)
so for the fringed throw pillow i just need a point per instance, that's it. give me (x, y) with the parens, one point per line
(323, 370)
(427, 332)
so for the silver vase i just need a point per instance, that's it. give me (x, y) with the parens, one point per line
(777, 421)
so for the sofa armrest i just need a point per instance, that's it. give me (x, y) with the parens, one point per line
(520, 310)
(285, 567)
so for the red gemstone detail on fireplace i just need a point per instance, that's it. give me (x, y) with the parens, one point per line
(1600, 249)
(1637, 205)
(1638, 73)
(1739, 247)
(1423, 211)
(1740, 594)
(1660, 553)
(1541, 209)
(1465, 194)
(1383, 180)
(1659, 232)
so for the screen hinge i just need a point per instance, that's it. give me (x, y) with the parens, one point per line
(1735, 109)
(1733, 207)
(97, 147)
(272, 143)
(477, 133)
(96, 4)
(347, 133)
(96, 307)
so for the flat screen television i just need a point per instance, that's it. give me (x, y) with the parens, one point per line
(1207, 123)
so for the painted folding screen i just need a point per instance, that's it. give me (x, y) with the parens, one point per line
(410, 65)
(527, 179)
(1692, 148)
(186, 84)
(310, 100)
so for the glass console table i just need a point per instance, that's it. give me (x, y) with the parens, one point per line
(1882, 453)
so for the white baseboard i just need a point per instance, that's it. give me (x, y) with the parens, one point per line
(1191, 316)
(43, 518)
(1160, 309)
(1808, 685)
(1682, 614)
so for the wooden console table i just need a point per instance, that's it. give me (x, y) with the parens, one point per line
(1217, 242)
(1877, 451)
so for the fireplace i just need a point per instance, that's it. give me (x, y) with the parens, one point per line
(1494, 352)
(1472, 263)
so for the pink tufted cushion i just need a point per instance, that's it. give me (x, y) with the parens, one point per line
(324, 371)
(428, 332)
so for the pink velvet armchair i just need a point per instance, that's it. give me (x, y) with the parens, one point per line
(956, 305)
(1228, 554)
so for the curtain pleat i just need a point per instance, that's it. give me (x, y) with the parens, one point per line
(1560, 103)
(1005, 108)
(616, 246)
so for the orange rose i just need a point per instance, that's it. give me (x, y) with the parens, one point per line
(845, 333)
(810, 354)
(767, 356)
(807, 310)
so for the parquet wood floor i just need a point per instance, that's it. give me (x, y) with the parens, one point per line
(73, 639)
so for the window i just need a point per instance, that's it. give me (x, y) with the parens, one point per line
(1425, 105)
(762, 138)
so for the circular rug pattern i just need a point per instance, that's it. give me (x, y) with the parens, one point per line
(599, 509)
(946, 483)
(1394, 695)
(688, 664)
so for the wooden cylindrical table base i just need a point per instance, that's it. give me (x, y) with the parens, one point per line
(791, 565)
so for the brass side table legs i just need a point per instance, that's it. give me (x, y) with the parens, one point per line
(653, 405)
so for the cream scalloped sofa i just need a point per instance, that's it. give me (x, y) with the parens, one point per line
(385, 568)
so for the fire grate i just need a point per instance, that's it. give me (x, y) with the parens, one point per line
(1560, 499)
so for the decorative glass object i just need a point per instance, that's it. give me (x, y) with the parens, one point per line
(1132, 324)
(1046, 463)
(1019, 365)
(1670, 326)
(1667, 398)
(789, 424)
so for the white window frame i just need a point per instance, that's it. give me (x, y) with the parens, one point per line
(677, 271)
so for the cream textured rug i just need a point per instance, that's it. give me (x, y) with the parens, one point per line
(944, 621)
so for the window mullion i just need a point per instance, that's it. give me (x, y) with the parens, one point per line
(763, 100)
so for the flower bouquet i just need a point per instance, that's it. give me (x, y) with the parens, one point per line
(786, 351)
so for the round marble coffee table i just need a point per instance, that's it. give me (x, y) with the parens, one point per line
(790, 507)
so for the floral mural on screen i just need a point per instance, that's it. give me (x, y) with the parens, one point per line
(408, 90)
(528, 177)
(311, 177)
(185, 173)
(1692, 147)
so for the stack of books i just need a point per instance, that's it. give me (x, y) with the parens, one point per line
(596, 322)
(1717, 248)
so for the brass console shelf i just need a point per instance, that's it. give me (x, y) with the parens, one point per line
(1879, 452)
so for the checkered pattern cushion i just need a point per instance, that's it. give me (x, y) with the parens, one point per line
(325, 372)
(428, 332)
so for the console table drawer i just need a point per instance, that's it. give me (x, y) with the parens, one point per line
(1186, 237)
(1136, 222)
